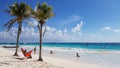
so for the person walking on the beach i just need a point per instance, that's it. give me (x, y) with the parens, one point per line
(35, 50)
(77, 55)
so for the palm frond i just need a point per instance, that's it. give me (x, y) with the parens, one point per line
(43, 12)
(38, 6)
(29, 10)
(8, 11)
(22, 8)
(9, 25)
(10, 22)
(10, 7)
(44, 6)
(16, 6)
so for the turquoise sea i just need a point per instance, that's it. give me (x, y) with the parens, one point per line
(105, 46)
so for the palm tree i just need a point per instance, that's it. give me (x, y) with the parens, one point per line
(41, 14)
(20, 12)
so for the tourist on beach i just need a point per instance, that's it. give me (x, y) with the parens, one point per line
(30, 57)
(35, 50)
(24, 51)
(26, 54)
(77, 55)
(51, 52)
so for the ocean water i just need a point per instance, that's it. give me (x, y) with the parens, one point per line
(111, 48)
(93, 46)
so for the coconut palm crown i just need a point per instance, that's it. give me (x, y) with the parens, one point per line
(20, 12)
(41, 14)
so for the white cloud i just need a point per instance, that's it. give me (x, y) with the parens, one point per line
(77, 29)
(28, 34)
(111, 29)
(9, 34)
(65, 30)
(59, 33)
(54, 35)
(107, 28)
(116, 30)
(74, 18)
(70, 20)
(53, 32)
(35, 23)
(92, 35)
(50, 29)
(107, 34)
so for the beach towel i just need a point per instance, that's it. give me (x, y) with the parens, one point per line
(26, 54)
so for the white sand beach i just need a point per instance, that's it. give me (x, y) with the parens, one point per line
(8, 61)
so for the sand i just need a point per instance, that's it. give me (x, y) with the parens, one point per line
(9, 61)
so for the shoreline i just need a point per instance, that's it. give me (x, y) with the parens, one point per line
(54, 62)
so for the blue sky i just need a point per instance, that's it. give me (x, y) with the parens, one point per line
(75, 21)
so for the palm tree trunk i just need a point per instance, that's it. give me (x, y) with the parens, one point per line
(40, 51)
(17, 42)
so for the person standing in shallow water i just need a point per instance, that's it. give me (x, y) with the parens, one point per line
(51, 52)
(77, 55)
(35, 50)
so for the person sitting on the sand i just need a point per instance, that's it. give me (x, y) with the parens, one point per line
(24, 51)
(77, 55)
(30, 57)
